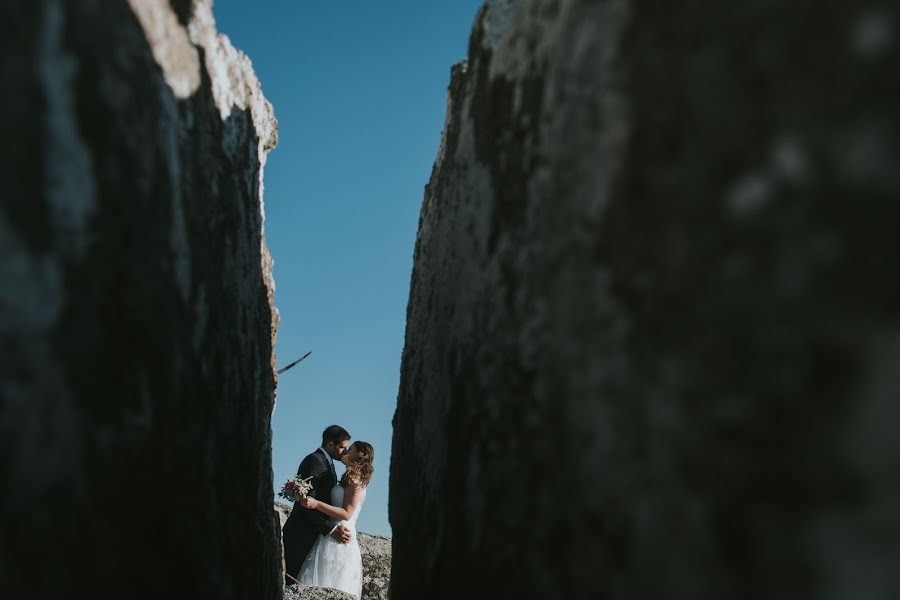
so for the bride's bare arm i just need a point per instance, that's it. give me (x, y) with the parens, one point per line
(351, 501)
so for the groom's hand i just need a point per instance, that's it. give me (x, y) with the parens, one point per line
(341, 534)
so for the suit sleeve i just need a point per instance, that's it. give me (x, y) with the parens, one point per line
(315, 466)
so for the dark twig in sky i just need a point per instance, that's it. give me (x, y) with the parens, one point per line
(282, 370)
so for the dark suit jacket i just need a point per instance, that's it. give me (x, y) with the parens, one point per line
(303, 525)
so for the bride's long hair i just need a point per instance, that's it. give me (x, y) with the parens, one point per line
(359, 472)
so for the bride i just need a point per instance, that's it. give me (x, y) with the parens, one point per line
(329, 563)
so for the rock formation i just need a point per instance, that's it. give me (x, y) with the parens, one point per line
(376, 559)
(295, 592)
(137, 323)
(653, 325)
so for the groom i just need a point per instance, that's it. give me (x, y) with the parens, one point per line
(302, 526)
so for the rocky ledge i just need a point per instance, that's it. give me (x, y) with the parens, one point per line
(296, 592)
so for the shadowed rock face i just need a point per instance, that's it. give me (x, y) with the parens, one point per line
(654, 312)
(136, 387)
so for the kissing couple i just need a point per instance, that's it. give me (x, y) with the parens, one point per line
(320, 545)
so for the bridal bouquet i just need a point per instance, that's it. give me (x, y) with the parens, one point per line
(295, 488)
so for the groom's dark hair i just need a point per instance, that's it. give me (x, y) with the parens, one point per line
(334, 433)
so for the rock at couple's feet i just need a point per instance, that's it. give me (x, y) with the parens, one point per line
(298, 592)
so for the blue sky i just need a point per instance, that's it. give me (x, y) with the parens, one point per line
(359, 90)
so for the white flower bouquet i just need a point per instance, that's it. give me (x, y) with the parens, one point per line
(295, 488)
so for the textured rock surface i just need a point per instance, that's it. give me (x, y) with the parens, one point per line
(376, 557)
(296, 592)
(654, 320)
(136, 387)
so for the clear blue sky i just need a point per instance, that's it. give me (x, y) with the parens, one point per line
(359, 90)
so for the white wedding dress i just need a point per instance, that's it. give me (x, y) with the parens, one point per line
(332, 564)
